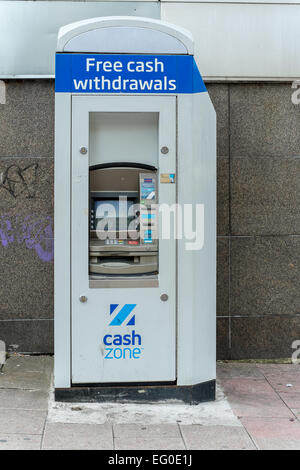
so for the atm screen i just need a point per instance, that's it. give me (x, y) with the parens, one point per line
(114, 209)
(107, 208)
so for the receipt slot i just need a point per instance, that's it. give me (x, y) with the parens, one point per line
(135, 183)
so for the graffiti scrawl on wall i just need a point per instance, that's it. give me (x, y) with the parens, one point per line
(33, 230)
(20, 181)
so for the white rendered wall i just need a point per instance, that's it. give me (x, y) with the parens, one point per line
(241, 40)
(234, 40)
(28, 30)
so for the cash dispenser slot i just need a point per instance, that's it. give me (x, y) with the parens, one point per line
(123, 263)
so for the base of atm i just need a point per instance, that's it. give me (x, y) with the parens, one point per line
(191, 394)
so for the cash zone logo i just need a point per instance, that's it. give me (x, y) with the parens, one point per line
(122, 346)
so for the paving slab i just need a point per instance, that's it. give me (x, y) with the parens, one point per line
(286, 388)
(23, 399)
(24, 381)
(216, 438)
(155, 443)
(251, 397)
(144, 431)
(277, 444)
(258, 394)
(238, 370)
(275, 369)
(284, 380)
(27, 373)
(20, 442)
(273, 433)
(22, 421)
(25, 363)
(63, 436)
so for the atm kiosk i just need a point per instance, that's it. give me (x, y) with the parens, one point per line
(135, 215)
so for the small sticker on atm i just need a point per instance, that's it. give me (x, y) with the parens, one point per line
(147, 180)
(167, 177)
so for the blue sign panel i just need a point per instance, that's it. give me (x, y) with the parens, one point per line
(123, 73)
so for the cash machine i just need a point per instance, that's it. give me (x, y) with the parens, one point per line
(135, 214)
(123, 223)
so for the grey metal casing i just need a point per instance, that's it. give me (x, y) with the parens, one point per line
(194, 271)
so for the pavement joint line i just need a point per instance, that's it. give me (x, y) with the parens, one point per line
(113, 437)
(50, 391)
(183, 440)
(43, 433)
(21, 389)
(23, 409)
(250, 437)
(21, 433)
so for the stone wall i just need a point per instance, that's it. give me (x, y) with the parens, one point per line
(26, 215)
(258, 298)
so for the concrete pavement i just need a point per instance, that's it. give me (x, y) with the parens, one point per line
(257, 407)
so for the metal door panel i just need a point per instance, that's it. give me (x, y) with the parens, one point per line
(151, 356)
